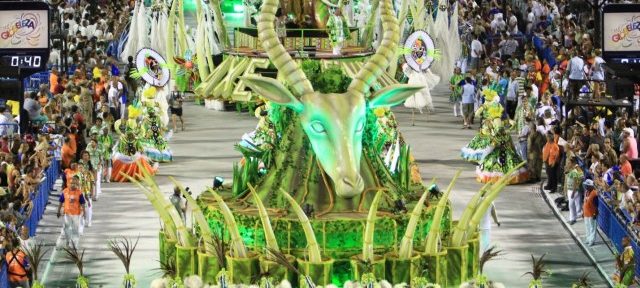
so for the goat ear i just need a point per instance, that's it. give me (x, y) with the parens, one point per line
(393, 95)
(274, 91)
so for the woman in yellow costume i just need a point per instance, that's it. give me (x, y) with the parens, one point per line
(493, 147)
(128, 153)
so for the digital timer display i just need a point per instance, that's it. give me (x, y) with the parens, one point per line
(22, 61)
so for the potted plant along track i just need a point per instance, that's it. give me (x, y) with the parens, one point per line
(538, 271)
(208, 256)
(583, 281)
(368, 262)
(403, 266)
(168, 234)
(242, 266)
(272, 261)
(35, 253)
(481, 280)
(458, 254)
(433, 256)
(316, 269)
(124, 248)
(77, 257)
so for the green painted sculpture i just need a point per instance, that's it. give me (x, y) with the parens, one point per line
(333, 123)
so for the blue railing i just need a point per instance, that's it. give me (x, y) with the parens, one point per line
(39, 200)
(4, 277)
(614, 225)
(41, 196)
(32, 83)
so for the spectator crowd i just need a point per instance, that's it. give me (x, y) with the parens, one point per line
(538, 55)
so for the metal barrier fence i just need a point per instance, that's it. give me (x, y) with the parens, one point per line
(40, 197)
(614, 224)
(39, 200)
(4, 276)
(9, 129)
(32, 83)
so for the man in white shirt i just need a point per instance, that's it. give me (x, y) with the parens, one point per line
(115, 91)
(512, 95)
(476, 52)
(575, 71)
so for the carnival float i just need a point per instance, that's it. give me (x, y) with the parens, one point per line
(327, 192)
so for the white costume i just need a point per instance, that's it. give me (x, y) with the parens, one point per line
(454, 45)
(129, 48)
(444, 66)
(421, 99)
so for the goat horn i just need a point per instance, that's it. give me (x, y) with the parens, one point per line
(278, 55)
(385, 54)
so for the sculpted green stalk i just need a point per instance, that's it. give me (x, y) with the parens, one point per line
(205, 231)
(431, 247)
(171, 42)
(460, 229)
(485, 203)
(367, 243)
(153, 193)
(269, 235)
(406, 245)
(312, 245)
(201, 47)
(334, 123)
(169, 225)
(218, 20)
(237, 246)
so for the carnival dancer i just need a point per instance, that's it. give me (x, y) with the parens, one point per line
(481, 145)
(456, 91)
(105, 141)
(492, 148)
(154, 143)
(87, 185)
(421, 99)
(95, 157)
(72, 207)
(128, 158)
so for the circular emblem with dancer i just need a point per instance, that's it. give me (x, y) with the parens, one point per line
(152, 67)
(422, 50)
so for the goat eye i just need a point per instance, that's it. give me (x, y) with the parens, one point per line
(360, 126)
(318, 127)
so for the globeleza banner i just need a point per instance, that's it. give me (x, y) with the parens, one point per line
(621, 32)
(20, 29)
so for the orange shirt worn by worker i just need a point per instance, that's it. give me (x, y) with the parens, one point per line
(53, 82)
(72, 201)
(589, 207)
(550, 153)
(17, 264)
(625, 169)
(68, 155)
(69, 173)
(74, 142)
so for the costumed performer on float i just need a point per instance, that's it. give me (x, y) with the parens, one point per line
(127, 154)
(154, 143)
(493, 146)
(186, 75)
(337, 29)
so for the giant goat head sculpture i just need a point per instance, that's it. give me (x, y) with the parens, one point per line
(334, 123)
